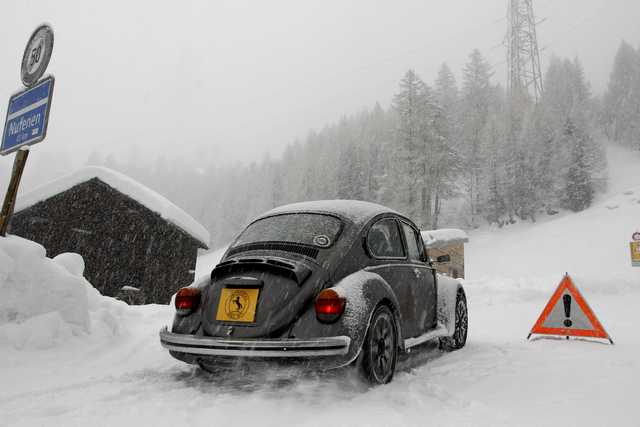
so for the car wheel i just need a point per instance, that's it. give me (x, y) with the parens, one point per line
(459, 338)
(380, 347)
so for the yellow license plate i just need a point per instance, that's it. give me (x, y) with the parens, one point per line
(238, 304)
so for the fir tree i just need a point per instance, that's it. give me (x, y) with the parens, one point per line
(413, 106)
(476, 92)
(446, 148)
(622, 100)
(578, 189)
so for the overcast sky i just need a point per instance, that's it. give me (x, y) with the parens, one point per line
(235, 79)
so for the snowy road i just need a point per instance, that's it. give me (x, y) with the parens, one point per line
(499, 378)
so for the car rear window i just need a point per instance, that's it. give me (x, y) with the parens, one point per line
(309, 229)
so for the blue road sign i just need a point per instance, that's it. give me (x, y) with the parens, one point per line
(27, 116)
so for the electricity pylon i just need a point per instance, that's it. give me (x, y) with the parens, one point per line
(524, 76)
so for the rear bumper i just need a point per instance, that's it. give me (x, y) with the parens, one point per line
(253, 347)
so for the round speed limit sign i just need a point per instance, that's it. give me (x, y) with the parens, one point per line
(36, 55)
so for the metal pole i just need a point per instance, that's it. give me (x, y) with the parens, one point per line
(12, 191)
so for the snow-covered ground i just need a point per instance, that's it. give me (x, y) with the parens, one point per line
(114, 372)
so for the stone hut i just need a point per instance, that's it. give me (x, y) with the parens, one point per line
(447, 241)
(128, 235)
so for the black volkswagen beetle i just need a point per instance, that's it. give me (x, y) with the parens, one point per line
(328, 283)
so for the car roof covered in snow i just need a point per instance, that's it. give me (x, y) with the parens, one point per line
(125, 185)
(355, 210)
(443, 237)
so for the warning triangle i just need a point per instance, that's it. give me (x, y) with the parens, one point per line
(567, 313)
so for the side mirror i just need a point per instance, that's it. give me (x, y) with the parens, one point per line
(443, 259)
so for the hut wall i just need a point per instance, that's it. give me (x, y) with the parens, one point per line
(455, 268)
(122, 241)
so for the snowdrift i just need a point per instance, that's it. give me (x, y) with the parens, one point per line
(46, 302)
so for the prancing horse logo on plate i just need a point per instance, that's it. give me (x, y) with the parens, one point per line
(237, 304)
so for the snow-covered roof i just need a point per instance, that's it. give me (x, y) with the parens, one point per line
(356, 210)
(125, 185)
(443, 237)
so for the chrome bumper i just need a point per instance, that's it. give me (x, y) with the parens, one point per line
(254, 347)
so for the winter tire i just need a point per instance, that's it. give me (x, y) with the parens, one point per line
(459, 337)
(380, 347)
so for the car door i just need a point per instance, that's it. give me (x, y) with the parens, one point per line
(389, 259)
(421, 279)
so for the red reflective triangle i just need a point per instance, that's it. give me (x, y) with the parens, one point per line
(596, 330)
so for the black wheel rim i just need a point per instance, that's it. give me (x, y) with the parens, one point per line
(382, 347)
(461, 322)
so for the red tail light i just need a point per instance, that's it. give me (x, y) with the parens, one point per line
(329, 306)
(187, 300)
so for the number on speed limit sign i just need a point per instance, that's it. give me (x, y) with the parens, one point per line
(36, 54)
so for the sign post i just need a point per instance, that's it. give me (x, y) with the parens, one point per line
(10, 198)
(28, 113)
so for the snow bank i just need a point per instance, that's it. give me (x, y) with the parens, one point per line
(125, 185)
(72, 262)
(46, 301)
(32, 284)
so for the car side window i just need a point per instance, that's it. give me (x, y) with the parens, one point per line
(384, 239)
(424, 257)
(412, 242)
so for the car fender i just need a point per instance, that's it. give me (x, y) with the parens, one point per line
(364, 291)
(189, 324)
(447, 293)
